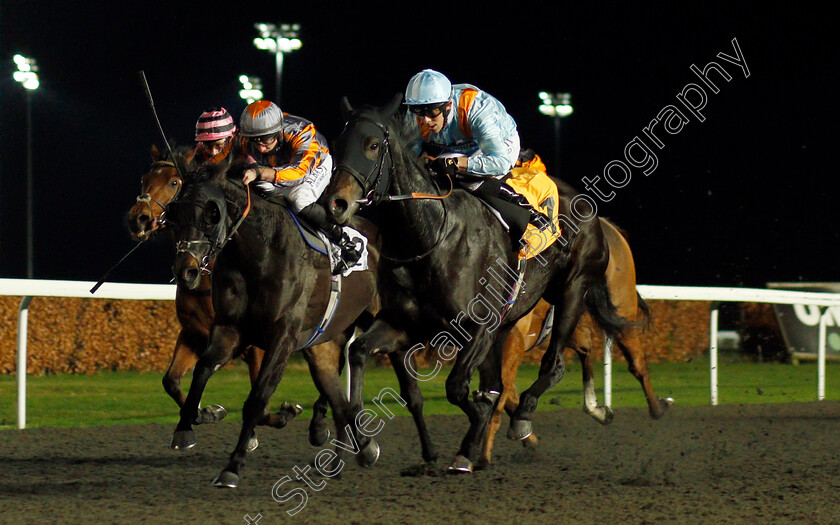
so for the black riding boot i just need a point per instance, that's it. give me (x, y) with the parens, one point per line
(538, 219)
(316, 215)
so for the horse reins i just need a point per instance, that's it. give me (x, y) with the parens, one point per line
(376, 195)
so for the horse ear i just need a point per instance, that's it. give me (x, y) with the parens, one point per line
(156, 154)
(393, 105)
(346, 108)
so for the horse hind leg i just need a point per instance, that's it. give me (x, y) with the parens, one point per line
(552, 367)
(637, 364)
(600, 413)
(485, 353)
(319, 432)
(325, 362)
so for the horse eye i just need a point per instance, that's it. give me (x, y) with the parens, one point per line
(213, 215)
(173, 183)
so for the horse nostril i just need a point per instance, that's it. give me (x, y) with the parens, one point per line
(338, 206)
(191, 277)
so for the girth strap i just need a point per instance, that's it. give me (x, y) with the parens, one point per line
(332, 306)
(516, 289)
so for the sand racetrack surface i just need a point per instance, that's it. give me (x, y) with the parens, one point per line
(732, 464)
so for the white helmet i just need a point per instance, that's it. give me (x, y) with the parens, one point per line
(260, 118)
(428, 87)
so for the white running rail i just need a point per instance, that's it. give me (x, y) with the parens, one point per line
(29, 288)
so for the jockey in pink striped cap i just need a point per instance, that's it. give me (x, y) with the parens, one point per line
(213, 133)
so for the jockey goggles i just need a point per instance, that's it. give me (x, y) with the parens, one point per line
(428, 110)
(265, 140)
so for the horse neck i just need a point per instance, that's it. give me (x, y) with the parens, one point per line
(419, 219)
(259, 231)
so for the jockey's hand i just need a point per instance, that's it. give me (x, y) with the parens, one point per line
(444, 166)
(249, 175)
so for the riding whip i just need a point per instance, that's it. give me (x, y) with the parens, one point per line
(108, 273)
(142, 75)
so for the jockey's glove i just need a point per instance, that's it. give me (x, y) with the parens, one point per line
(444, 166)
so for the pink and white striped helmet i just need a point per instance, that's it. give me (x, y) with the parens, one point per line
(214, 124)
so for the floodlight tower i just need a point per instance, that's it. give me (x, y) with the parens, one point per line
(251, 88)
(27, 75)
(278, 39)
(556, 106)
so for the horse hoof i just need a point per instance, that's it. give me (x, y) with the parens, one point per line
(460, 465)
(295, 409)
(609, 416)
(213, 414)
(531, 441)
(318, 437)
(226, 480)
(252, 445)
(664, 404)
(519, 429)
(182, 440)
(368, 455)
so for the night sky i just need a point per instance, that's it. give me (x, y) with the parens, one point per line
(746, 196)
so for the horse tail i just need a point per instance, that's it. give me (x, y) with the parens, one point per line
(600, 306)
(646, 317)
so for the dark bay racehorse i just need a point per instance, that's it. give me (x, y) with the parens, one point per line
(193, 306)
(194, 311)
(269, 290)
(439, 258)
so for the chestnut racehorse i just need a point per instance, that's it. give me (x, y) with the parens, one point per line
(621, 281)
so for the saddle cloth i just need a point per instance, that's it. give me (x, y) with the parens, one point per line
(318, 241)
(541, 193)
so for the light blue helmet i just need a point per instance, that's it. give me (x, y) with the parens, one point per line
(428, 87)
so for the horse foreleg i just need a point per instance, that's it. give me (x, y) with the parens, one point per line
(254, 408)
(410, 392)
(184, 359)
(512, 355)
(381, 337)
(223, 342)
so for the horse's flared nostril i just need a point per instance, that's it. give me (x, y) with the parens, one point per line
(191, 276)
(338, 207)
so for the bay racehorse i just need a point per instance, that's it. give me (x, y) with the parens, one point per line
(194, 311)
(444, 255)
(270, 291)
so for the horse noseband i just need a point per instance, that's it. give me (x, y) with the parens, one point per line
(190, 248)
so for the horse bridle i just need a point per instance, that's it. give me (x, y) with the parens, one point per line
(380, 185)
(216, 245)
(147, 198)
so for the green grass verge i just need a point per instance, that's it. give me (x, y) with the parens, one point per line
(117, 398)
